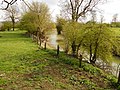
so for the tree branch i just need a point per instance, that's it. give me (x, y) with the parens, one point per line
(8, 3)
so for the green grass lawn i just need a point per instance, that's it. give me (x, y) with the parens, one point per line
(116, 30)
(25, 67)
(13, 46)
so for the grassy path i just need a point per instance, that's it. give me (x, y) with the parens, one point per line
(24, 67)
(15, 50)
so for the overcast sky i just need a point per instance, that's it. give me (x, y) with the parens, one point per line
(108, 9)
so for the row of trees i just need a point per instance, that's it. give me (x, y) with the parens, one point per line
(91, 38)
(94, 39)
(115, 22)
(37, 21)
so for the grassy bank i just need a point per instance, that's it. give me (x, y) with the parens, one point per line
(25, 67)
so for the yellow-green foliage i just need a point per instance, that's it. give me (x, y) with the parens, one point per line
(39, 16)
(116, 40)
(101, 36)
(73, 32)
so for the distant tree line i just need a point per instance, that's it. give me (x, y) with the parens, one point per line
(115, 24)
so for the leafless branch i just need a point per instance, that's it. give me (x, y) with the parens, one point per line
(8, 3)
(78, 8)
(12, 2)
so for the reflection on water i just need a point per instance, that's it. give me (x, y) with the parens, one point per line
(53, 38)
(115, 63)
(115, 69)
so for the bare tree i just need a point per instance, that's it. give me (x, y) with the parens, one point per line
(78, 8)
(115, 17)
(12, 13)
(101, 18)
(93, 18)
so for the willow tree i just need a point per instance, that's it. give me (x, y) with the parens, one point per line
(27, 22)
(73, 33)
(42, 19)
(98, 42)
(38, 17)
(75, 9)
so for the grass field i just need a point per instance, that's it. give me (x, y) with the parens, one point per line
(25, 67)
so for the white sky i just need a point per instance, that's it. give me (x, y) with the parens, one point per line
(108, 9)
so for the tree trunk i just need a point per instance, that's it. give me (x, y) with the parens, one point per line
(8, 29)
(38, 38)
(13, 26)
(66, 47)
(58, 50)
(78, 47)
(80, 61)
(90, 53)
(94, 58)
(45, 46)
(13, 23)
(77, 51)
(73, 49)
(119, 78)
(95, 53)
(40, 42)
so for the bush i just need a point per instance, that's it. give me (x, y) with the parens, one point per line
(6, 26)
(118, 87)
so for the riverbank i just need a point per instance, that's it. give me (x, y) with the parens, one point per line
(109, 66)
(25, 67)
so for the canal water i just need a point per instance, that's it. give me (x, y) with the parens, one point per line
(115, 63)
(53, 40)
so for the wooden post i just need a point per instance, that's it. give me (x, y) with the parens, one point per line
(80, 61)
(117, 69)
(58, 50)
(119, 78)
(40, 42)
(45, 45)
